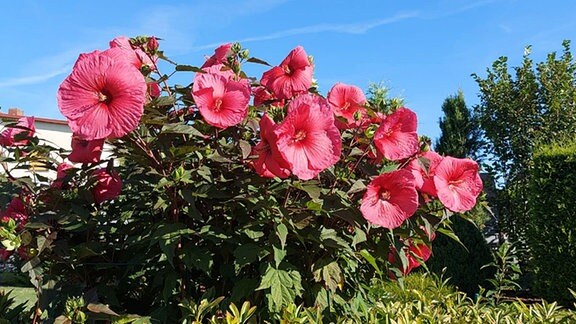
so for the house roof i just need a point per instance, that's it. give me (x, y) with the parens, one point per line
(12, 116)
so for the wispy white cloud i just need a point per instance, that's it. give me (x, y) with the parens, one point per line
(460, 9)
(506, 28)
(34, 79)
(350, 28)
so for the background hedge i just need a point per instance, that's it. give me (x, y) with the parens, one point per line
(551, 230)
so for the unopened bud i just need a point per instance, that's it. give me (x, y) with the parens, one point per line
(236, 48)
(244, 54)
(152, 44)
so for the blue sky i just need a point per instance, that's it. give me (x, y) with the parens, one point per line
(422, 50)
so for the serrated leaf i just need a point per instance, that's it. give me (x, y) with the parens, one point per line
(279, 254)
(332, 275)
(284, 286)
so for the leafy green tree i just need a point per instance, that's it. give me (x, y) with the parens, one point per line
(460, 135)
(516, 113)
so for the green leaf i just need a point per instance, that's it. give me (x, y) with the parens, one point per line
(243, 288)
(330, 273)
(31, 264)
(357, 186)
(451, 235)
(188, 68)
(178, 128)
(279, 254)
(311, 188)
(62, 320)
(315, 205)
(253, 234)
(199, 259)
(258, 61)
(132, 319)
(246, 254)
(359, 237)
(329, 237)
(170, 285)
(101, 308)
(284, 286)
(167, 235)
(368, 257)
(282, 232)
(10, 245)
(165, 101)
(246, 148)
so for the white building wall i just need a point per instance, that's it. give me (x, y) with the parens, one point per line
(55, 134)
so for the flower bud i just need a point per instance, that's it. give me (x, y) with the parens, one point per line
(152, 44)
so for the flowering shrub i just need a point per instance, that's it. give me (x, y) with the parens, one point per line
(251, 189)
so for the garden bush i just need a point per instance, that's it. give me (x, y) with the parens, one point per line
(225, 188)
(462, 261)
(551, 235)
(429, 299)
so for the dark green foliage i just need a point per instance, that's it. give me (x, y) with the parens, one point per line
(460, 136)
(551, 234)
(463, 263)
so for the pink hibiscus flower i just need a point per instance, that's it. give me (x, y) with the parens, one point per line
(4, 254)
(222, 101)
(153, 90)
(86, 151)
(293, 76)
(61, 173)
(396, 138)
(16, 210)
(390, 199)
(425, 177)
(263, 96)
(136, 56)
(12, 136)
(307, 138)
(108, 185)
(152, 44)
(347, 101)
(102, 97)
(415, 253)
(270, 162)
(221, 54)
(458, 183)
